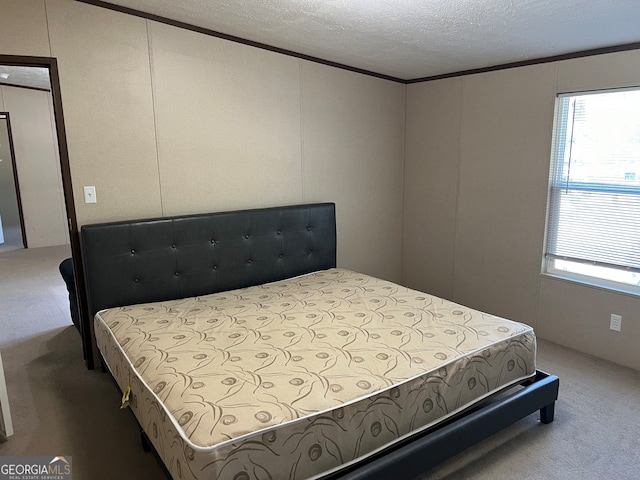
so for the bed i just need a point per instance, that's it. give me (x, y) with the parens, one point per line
(248, 354)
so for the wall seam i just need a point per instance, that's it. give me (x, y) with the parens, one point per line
(155, 117)
(403, 187)
(46, 19)
(302, 162)
(457, 204)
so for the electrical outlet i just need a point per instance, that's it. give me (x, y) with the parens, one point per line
(616, 322)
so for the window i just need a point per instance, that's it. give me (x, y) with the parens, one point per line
(593, 223)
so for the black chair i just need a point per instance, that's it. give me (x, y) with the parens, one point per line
(66, 270)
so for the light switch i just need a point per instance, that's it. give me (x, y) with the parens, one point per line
(90, 194)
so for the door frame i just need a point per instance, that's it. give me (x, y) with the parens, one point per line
(74, 236)
(12, 153)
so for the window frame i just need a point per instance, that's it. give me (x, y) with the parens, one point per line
(553, 217)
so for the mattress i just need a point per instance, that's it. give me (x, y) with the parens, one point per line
(296, 378)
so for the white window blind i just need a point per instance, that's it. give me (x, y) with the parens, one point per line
(593, 225)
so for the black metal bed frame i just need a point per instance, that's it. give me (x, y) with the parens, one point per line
(167, 258)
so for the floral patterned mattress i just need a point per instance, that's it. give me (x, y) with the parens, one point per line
(293, 379)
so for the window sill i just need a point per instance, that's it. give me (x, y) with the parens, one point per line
(608, 288)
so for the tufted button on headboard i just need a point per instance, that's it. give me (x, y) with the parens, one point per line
(150, 260)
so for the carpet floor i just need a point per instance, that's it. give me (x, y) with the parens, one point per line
(59, 408)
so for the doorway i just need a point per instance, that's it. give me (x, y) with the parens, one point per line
(25, 92)
(12, 235)
(63, 170)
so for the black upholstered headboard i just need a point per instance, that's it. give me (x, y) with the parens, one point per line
(143, 261)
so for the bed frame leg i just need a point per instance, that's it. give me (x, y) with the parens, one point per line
(546, 413)
(146, 444)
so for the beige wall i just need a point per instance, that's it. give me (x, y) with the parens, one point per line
(353, 149)
(165, 121)
(105, 79)
(38, 165)
(476, 184)
(24, 28)
(227, 123)
(9, 214)
(434, 112)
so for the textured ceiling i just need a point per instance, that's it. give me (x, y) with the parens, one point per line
(410, 39)
(25, 76)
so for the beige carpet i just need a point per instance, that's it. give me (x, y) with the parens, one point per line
(12, 237)
(595, 434)
(60, 408)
